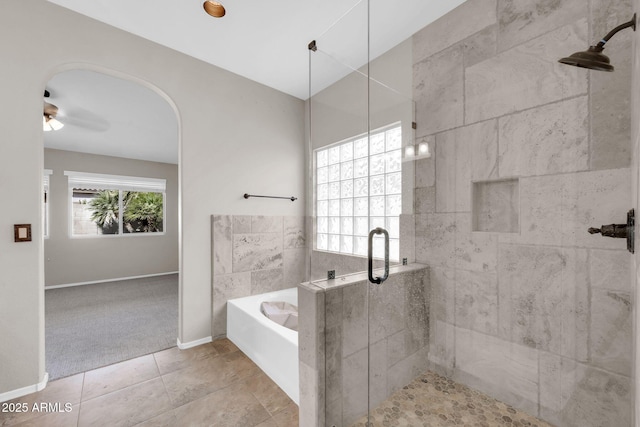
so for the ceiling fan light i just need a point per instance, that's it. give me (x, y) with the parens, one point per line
(214, 8)
(45, 124)
(55, 124)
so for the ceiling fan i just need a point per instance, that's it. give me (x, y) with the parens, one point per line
(49, 121)
(76, 116)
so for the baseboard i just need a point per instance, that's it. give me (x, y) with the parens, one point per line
(195, 343)
(13, 394)
(93, 282)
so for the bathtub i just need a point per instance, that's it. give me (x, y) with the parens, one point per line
(272, 347)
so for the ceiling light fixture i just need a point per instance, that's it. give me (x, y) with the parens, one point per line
(593, 58)
(49, 121)
(214, 8)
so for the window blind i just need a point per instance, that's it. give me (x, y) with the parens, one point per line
(95, 181)
(45, 179)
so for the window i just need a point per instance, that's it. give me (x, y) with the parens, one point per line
(45, 205)
(97, 201)
(358, 188)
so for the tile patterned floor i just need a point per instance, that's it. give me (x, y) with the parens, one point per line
(435, 401)
(210, 385)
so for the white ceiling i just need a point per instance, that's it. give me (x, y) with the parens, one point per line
(111, 117)
(265, 41)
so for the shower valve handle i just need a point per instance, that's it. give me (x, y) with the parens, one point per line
(619, 231)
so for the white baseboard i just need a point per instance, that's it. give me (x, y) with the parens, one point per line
(93, 282)
(195, 343)
(13, 394)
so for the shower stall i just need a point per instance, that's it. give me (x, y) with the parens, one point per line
(452, 180)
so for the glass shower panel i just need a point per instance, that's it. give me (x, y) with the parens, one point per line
(340, 155)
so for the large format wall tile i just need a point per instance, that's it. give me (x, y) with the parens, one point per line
(257, 251)
(467, 19)
(543, 293)
(253, 255)
(446, 162)
(295, 263)
(526, 76)
(464, 155)
(425, 169)
(354, 317)
(227, 287)
(222, 235)
(354, 386)
(263, 281)
(266, 224)
(474, 251)
(546, 140)
(610, 95)
(500, 368)
(387, 308)
(476, 301)
(611, 330)
(294, 234)
(558, 210)
(480, 46)
(522, 20)
(611, 311)
(577, 395)
(438, 91)
(435, 239)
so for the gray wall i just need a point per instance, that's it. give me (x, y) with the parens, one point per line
(78, 260)
(228, 127)
(539, 317)
(253, 255)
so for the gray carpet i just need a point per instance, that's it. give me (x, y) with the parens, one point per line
(91, 326)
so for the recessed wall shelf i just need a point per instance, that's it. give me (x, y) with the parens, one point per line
(495, 206)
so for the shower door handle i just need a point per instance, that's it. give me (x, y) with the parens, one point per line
(379, 280)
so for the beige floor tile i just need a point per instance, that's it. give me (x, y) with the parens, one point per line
(126, 407)
(64, 390)
(231, 406)
(206, 376)
(288, 417)
(55, 419)
(268, 423)
(168, 419)
(267, 392)
(224, 345)
(174, 359)
(118, 376)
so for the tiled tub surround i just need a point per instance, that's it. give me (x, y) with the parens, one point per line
(539, 318)
(344, 316)
(253, 255)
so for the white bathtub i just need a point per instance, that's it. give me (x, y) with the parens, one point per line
(272, 347)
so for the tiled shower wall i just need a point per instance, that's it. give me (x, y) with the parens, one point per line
(352, 329)
(535, 311)
(254, 255)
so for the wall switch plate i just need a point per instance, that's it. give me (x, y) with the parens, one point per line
(22, 232)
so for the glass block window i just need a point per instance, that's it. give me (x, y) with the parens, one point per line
(358, 188)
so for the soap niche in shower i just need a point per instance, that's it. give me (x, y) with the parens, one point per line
(495, 206)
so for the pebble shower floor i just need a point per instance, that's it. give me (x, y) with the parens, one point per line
(435, 401)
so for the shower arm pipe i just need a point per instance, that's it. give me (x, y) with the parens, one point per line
(246, 196)
(605, 39)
